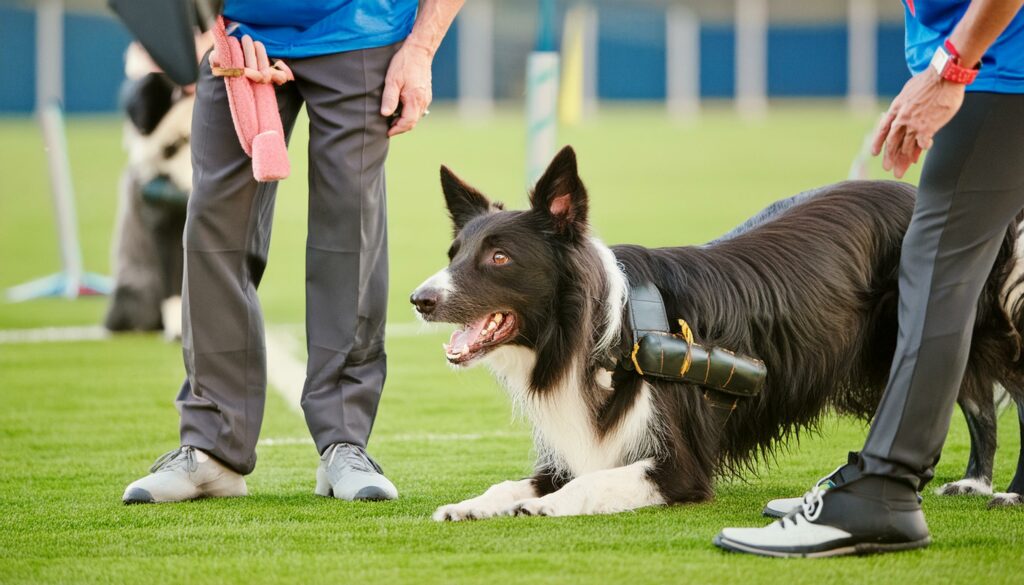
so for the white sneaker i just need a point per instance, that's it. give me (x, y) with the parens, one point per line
(780, 507)
(185, 474)
(347, 473)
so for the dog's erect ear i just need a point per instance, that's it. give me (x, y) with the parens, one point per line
(464, 202)
(561, 196)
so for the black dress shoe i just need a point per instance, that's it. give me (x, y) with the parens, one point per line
(779, 507)
(870, 514)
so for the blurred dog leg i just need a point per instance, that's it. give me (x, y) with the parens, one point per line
(135, 304)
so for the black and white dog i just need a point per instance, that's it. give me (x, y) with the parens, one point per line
(809, 286)
(147, 253)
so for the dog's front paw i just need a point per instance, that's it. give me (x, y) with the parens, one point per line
(462, 511)
(1005, 499)
(966, 487)
(532, 507)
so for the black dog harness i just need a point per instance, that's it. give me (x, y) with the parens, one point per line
(657, 352)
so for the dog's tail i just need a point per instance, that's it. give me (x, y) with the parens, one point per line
(768, 214)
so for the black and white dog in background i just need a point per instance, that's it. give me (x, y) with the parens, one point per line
(147, 250)
(809, 286)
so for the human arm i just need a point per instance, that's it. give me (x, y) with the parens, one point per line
(408, 78)
(928, 102)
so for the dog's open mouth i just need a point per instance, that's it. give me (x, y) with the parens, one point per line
(479, 337)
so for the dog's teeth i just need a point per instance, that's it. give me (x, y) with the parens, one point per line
(497, 319)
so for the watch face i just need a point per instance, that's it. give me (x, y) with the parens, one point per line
(939, 60)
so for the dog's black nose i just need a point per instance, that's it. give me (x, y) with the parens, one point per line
(425, 300)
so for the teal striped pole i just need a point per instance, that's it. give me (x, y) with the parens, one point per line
(541, 95)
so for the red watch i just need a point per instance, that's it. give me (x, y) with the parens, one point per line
(946, 62)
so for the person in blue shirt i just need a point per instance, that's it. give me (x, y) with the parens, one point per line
(362, 70)
(965, 105)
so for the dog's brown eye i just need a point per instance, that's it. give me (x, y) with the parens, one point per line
(500, 258)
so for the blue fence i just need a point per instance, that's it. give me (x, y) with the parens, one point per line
(803, 61)
(93, 61)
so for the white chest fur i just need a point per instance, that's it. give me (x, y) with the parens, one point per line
(1012, 290)
(565, 434)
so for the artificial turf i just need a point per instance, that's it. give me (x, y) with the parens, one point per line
(81, 420)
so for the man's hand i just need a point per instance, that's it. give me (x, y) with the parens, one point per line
(256, 65)
(408, 82)
(926, 104)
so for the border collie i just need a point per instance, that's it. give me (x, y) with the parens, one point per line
(809, 286)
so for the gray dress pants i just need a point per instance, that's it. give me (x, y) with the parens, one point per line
(227, 235)
(972, 185)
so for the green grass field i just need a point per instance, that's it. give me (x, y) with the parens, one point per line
(81, 420)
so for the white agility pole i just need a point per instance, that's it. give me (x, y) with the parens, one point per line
(751, 57)
(72, 280)
(682, 62)
(541, 96)
(49, 52)
(476, 60)
(860, 167)
(862, 53)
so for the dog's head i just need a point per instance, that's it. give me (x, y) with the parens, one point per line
(510, 277)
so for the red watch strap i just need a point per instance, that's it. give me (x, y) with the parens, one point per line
(952, 70)
(958, 74)
(951, 49)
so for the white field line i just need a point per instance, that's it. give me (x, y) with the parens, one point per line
(53, 334)
(405, 438)
(99, 333)
(396, 330)
(285, 372)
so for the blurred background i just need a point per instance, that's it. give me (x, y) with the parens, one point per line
(687, 118)
(635, 50)
(732, 104)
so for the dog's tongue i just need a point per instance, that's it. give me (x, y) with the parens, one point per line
(464, 338)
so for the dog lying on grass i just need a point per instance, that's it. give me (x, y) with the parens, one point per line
(809, 286)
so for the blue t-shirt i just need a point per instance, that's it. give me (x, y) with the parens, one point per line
(310, 28)
(929, 24)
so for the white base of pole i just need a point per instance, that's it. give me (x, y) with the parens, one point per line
(72, 281)
(61, 284)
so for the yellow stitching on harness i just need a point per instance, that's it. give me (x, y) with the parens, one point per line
(729, 379)
(632, 356)
(687, 333)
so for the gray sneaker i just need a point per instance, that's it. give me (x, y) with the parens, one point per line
(185, 474)
(347, 473)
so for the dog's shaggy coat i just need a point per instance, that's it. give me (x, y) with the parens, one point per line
(809, 285)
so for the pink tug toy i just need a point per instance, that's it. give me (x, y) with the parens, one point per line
(248, 76)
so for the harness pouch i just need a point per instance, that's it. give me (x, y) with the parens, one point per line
(675, 358)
